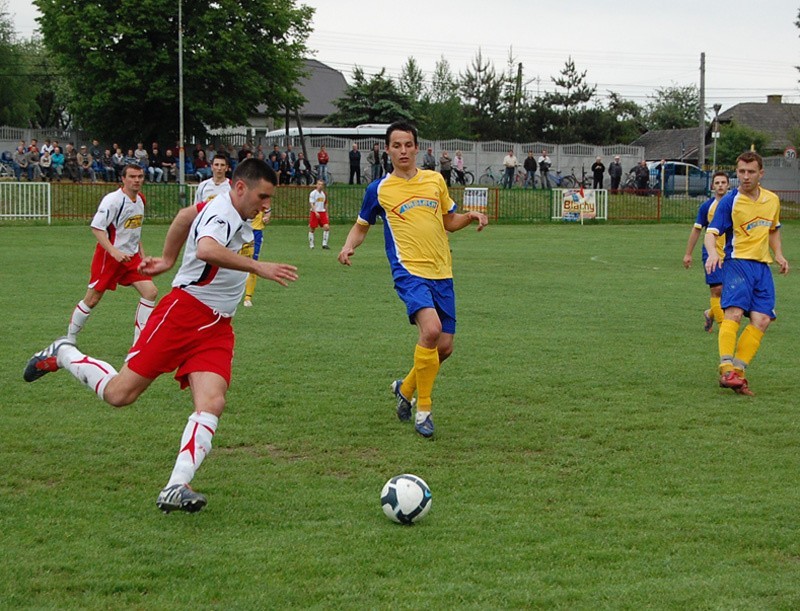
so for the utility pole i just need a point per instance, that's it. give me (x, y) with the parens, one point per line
(701, 152)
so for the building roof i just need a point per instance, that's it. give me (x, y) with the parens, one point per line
(674, 144)
(320, 88)
(772, 117)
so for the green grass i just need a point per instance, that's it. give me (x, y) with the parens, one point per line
(584, 456)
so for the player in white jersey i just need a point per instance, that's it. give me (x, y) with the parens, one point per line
(190, 330)
(117, 226)
(318, 215)
(217, 184)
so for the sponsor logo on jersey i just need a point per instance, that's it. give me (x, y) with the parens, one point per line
(135, 222)
(755, 223)
(247, 249)
(416, 202)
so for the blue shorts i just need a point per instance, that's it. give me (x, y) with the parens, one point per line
(418, 293)
(748, 285)
(715, 277)
(258, 237)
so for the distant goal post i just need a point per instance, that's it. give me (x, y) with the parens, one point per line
(25, 200)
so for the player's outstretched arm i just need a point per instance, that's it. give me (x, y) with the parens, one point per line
(354, 239)
(214, 253)
(456, 221)
(176, 236)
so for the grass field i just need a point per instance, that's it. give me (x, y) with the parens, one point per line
(584, 458)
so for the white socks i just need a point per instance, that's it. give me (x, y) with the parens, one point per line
(195, 444)
(325, 235)
(143, 311)
(93, 373)
(79, 316)
(419, 418)
(82, 311)
(311, 239)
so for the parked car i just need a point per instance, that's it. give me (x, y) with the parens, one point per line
(679, 178)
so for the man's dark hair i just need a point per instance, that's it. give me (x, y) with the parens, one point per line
(222, 156)
(720, 173)
(401, 126)
(252, 170)
(750, 157)
(130, 166)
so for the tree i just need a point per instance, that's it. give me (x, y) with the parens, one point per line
(412, 80)
(572, 94)
(444, 85)
(735, 139)
(50, 89)
(374, 100)
(121, 61)
(16, 99)
(440, 115)
(481, 88)
(673, 107)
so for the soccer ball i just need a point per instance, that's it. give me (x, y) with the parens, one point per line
(406, 499)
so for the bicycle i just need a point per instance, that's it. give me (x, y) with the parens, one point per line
(492, 179)
(467, 179)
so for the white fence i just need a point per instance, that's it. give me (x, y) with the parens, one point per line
(25, 200)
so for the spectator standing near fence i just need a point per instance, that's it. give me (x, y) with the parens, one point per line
(302, 170)
(598, 171)
(510, 165)
(615, 173)
(749, 218)
(544, 169)
(446, 167)
(71, 167)
(354, 157)
(142, 158)
(641, 174)
(374, 161)
(428, 160)
(322, 160)
(530, 166)
(107, 163)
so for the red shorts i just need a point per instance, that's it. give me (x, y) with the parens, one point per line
(315, 221)
(185, 334)
(107, 272)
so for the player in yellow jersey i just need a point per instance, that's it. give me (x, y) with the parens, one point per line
(719, 186)
(417, 213)
(261, 219)
(749, 217)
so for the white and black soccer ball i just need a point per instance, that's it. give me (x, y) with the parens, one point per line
(406, 499)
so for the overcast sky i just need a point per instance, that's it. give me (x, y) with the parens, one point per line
(751, 47)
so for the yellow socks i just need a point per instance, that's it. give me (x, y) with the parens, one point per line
(250, 286)
(717, 313)
(426, 366)
(727, 344)
(747, 346)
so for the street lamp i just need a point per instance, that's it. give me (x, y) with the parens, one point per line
(715, 135)
(181, 151)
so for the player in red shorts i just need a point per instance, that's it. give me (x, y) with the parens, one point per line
(318, 215)
(190, 330)
(117, 225)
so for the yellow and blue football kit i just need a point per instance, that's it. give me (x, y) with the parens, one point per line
(704, 215)
(415, 238)
(746, 224)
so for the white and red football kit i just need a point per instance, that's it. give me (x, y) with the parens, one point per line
(190, 329)
(121, 218)
(208, 190)
(318, 215)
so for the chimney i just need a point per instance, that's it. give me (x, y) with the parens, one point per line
(774, 98)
